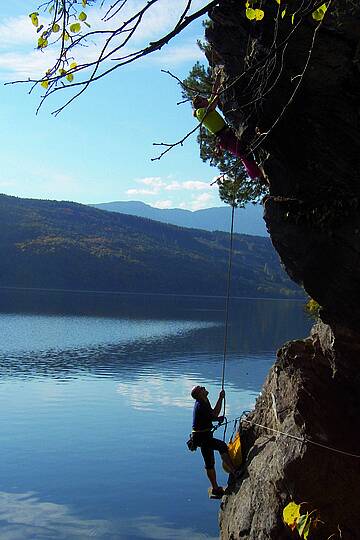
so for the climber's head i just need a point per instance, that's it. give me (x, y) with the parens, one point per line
(199, 102)
(199, 392)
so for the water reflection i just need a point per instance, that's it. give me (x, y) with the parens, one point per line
(24, 516)
(96, 409)
(152, 528)
(64, 346)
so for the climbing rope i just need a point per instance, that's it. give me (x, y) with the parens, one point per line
(226, 330)
(228, 298)
(303, 440)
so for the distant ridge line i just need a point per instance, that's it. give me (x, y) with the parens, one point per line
(248, 220)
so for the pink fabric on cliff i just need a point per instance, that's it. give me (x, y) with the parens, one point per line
(228, 141)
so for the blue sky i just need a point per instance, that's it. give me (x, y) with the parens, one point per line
(100, 148)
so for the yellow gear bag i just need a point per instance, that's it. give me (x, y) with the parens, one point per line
(234, 449)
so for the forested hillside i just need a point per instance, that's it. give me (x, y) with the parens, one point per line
(72, 246)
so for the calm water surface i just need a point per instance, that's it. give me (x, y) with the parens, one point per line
(95, 408)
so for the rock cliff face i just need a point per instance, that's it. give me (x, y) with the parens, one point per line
(312, 144)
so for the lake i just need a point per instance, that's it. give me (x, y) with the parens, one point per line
(95, 407)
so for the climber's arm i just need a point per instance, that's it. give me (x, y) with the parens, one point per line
(214, 99)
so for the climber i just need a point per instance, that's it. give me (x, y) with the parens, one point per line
(202, 435)
(205, 111)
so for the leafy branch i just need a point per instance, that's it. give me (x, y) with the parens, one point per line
(68, 28)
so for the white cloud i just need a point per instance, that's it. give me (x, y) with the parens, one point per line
(196, 185)
(198, 202)
(141, 192)
(154, 181)
(191, 185)
(24, 66)
(6, 183)
(16, 31)
(174, 186)
(155, 185)
(163, 204)
(174, 55)
(204, 197)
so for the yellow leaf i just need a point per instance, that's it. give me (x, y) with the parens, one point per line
(291, 514)
(278, 1)
(56, 28)
(292, 18)
(45, 84)
(73, 65)
(259, 14)
(283, 13)
(70, 77)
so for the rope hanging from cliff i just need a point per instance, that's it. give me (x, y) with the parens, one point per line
(233, 206)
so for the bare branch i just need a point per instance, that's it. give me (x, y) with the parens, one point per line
(172, 145)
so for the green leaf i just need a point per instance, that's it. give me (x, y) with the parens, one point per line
(82, 16)
(34, 18)
(45, 84)
(307, 529)
(283, 13)
(70, 77)
(84, 2)
(318, 14)
(292, 18)
(66, 36)
(250, 13)
(42, 42)
(75, 27)
(56, 28)
(301, 523)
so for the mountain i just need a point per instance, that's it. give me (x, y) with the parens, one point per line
(248, 220)
(67, 245)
